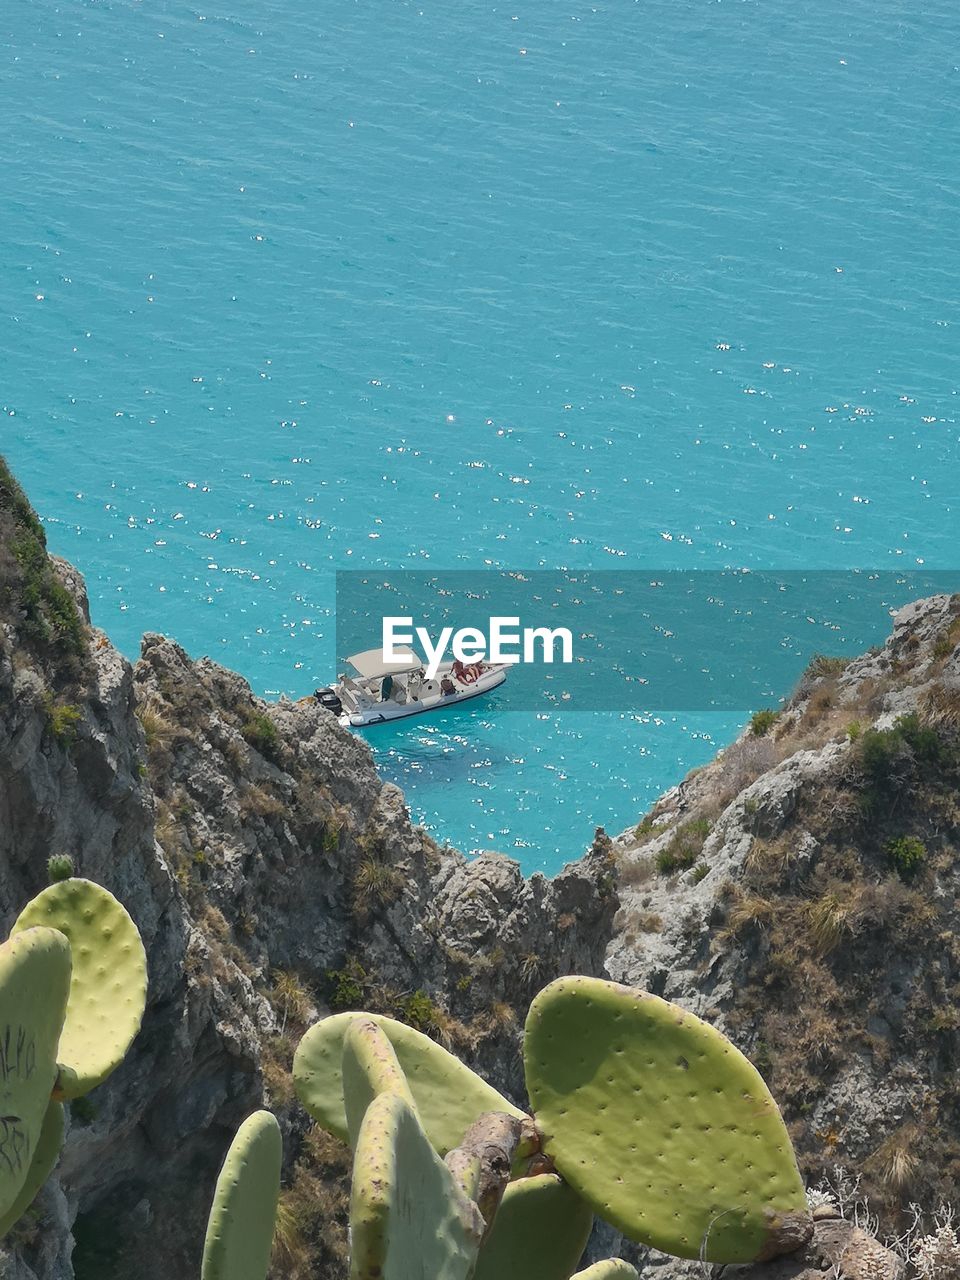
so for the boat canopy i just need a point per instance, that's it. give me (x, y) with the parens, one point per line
(371, 664)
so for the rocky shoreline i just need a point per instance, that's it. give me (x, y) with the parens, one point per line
(274, 878)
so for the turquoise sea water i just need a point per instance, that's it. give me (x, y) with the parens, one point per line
(288, 287)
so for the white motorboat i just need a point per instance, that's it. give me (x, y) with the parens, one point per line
(378, 691)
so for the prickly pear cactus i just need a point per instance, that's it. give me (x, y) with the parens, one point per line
(241, 1223)
(609, 1269)
(661, 1124)
(370, 1067)
(108, 990)
(539, 1233)
(45, 1157)
(408, 1218)
(449, 1096)
(34, 984)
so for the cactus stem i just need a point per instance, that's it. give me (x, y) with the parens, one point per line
(484, 1158)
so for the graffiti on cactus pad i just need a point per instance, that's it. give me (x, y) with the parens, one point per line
(18, 1053)
(13, 1144)
(18, 1062)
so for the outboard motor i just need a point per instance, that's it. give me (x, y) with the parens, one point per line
(330, 699)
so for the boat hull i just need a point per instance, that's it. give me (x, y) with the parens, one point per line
(388, 712)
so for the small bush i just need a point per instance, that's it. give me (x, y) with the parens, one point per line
(888, 756)
(947, 640)
(684, 848)
(157, 729)
(63, 719)
(821, 665)
(699, 871)
(830, 920)
(634, 871)
(422, 1013)
(762, 721)
(350, 986)
(256, 800)
(923, 741)
(644, 828)
(311, 1232)
(376, 882)
(742, 763)
(673, 859)
(59, 867)
(749, 911)
(259, 732)
(937, 1256)
(290, 998)
(940, 706)
(49, 617)
(907, 853)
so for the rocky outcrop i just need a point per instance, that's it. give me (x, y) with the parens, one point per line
(274, 877)
(801, 893)
(838, 1248)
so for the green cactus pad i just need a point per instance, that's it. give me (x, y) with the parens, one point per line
(108, 991)
(449, 1096)
(609, 1269)
(370, 1067)
(539, 1233)
(241, 1223)
(660, 1123)
(408, 1219)
(34, 985)
(45, 1157)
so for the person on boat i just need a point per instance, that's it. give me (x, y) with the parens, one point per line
(386, 688)
(447, 687)
(467, 674)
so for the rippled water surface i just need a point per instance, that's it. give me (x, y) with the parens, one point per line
(288, 287)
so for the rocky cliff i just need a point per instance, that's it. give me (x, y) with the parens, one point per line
(274, 877)
(801, 891)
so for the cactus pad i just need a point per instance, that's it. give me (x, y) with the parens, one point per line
(661, 1124)
(241, 1223)
(45, 1157)
(34, 985)
(408, 1218)
(108, 990)
(609, 1269)
(449, 1096)
(370, 1067)
(539, 1232)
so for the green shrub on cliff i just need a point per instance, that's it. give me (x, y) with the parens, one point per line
(259, 731)
(762, 721)
(907, 854)
(29, 587)
(683, 849)
(63, 718)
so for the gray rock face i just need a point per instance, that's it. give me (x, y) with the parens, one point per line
(279, 850)
(258, 851)
(838, 1249)
(789, 926)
